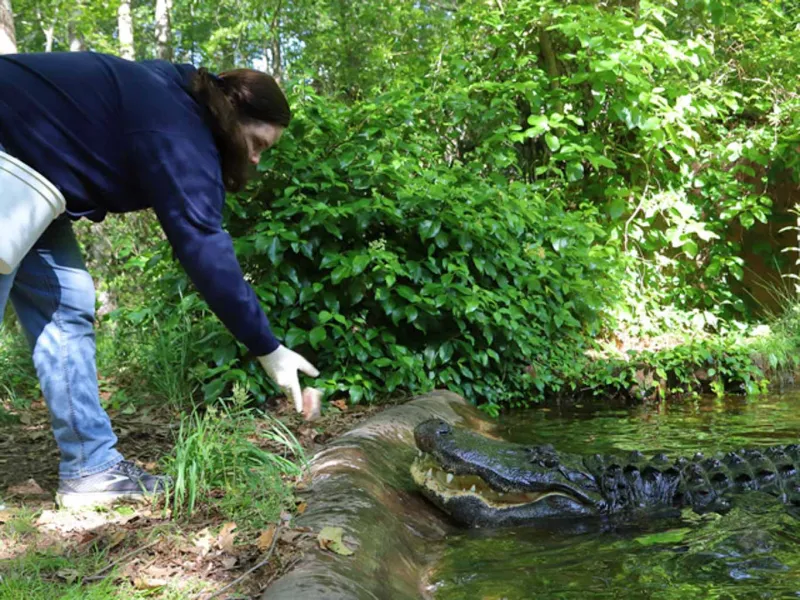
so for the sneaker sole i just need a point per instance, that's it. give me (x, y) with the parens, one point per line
(100, 499)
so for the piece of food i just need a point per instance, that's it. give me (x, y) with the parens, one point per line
(312, 403)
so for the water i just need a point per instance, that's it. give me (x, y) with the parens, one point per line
(751, 552)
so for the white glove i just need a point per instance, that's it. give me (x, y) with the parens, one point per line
(282, 366)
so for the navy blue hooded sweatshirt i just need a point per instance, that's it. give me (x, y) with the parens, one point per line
(117, 136)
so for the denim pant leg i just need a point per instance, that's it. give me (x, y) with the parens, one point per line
(53, 296)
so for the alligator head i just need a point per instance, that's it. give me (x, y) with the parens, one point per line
(481, 481)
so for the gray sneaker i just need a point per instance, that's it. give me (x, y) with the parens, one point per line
(123, 481)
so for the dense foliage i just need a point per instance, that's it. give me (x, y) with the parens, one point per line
(469, 196)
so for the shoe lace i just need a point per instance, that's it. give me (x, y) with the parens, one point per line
(131, 470)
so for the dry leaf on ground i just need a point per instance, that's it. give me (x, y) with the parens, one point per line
(148, 583)
(265, 539)
(203, 541)
(68, 575)
(226, 537)
(29, 488)
(330, 538)
(116, 539)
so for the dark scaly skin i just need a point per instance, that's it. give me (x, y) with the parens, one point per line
(599, 486)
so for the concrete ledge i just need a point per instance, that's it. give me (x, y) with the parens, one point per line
(361, 483)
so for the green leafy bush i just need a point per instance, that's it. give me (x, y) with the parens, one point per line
(396, 270)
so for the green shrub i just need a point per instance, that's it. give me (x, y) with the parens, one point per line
(396, 270)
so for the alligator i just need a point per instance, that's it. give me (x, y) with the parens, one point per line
(485, 482)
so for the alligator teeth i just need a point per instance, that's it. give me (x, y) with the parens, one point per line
(450, 477)
(472, 489)
(429, 474)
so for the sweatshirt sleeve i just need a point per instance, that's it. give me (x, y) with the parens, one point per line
(182, 180)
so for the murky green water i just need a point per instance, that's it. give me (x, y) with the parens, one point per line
(751, 552)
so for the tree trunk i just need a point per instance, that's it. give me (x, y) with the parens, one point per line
(49, 31)
(76, 43)
(277, 71)
(8, 38)
(125, 20)
(163, 29)
(49, 37)
(275, 50)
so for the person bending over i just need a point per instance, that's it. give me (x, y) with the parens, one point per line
(116, 136)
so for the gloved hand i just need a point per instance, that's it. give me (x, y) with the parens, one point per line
(282, 366)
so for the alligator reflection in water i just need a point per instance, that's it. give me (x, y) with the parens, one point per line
(482, 481)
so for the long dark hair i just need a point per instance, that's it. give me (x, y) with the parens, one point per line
(232, 98)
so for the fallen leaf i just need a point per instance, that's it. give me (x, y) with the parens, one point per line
(306, 435)
(125, 510)
(301, 508)
(265, 539)
(68, 575)
(86, 537)
(229, 562)
(29, 488)
(340, 404)
(226, 537)
(290, 535)
(159, 572)
(148, 583)
(116, 539)
(203, 541)
(330, 538)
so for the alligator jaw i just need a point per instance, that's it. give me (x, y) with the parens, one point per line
(445, 487)
(480, 481)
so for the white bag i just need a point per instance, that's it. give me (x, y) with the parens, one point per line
(29, 203)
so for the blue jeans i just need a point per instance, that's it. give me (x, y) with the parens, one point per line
(53, 296)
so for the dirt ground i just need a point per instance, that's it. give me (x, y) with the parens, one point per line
(148, 549)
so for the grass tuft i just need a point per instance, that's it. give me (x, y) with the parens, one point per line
(218, 460)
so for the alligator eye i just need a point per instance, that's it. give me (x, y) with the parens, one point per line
(444, 429)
